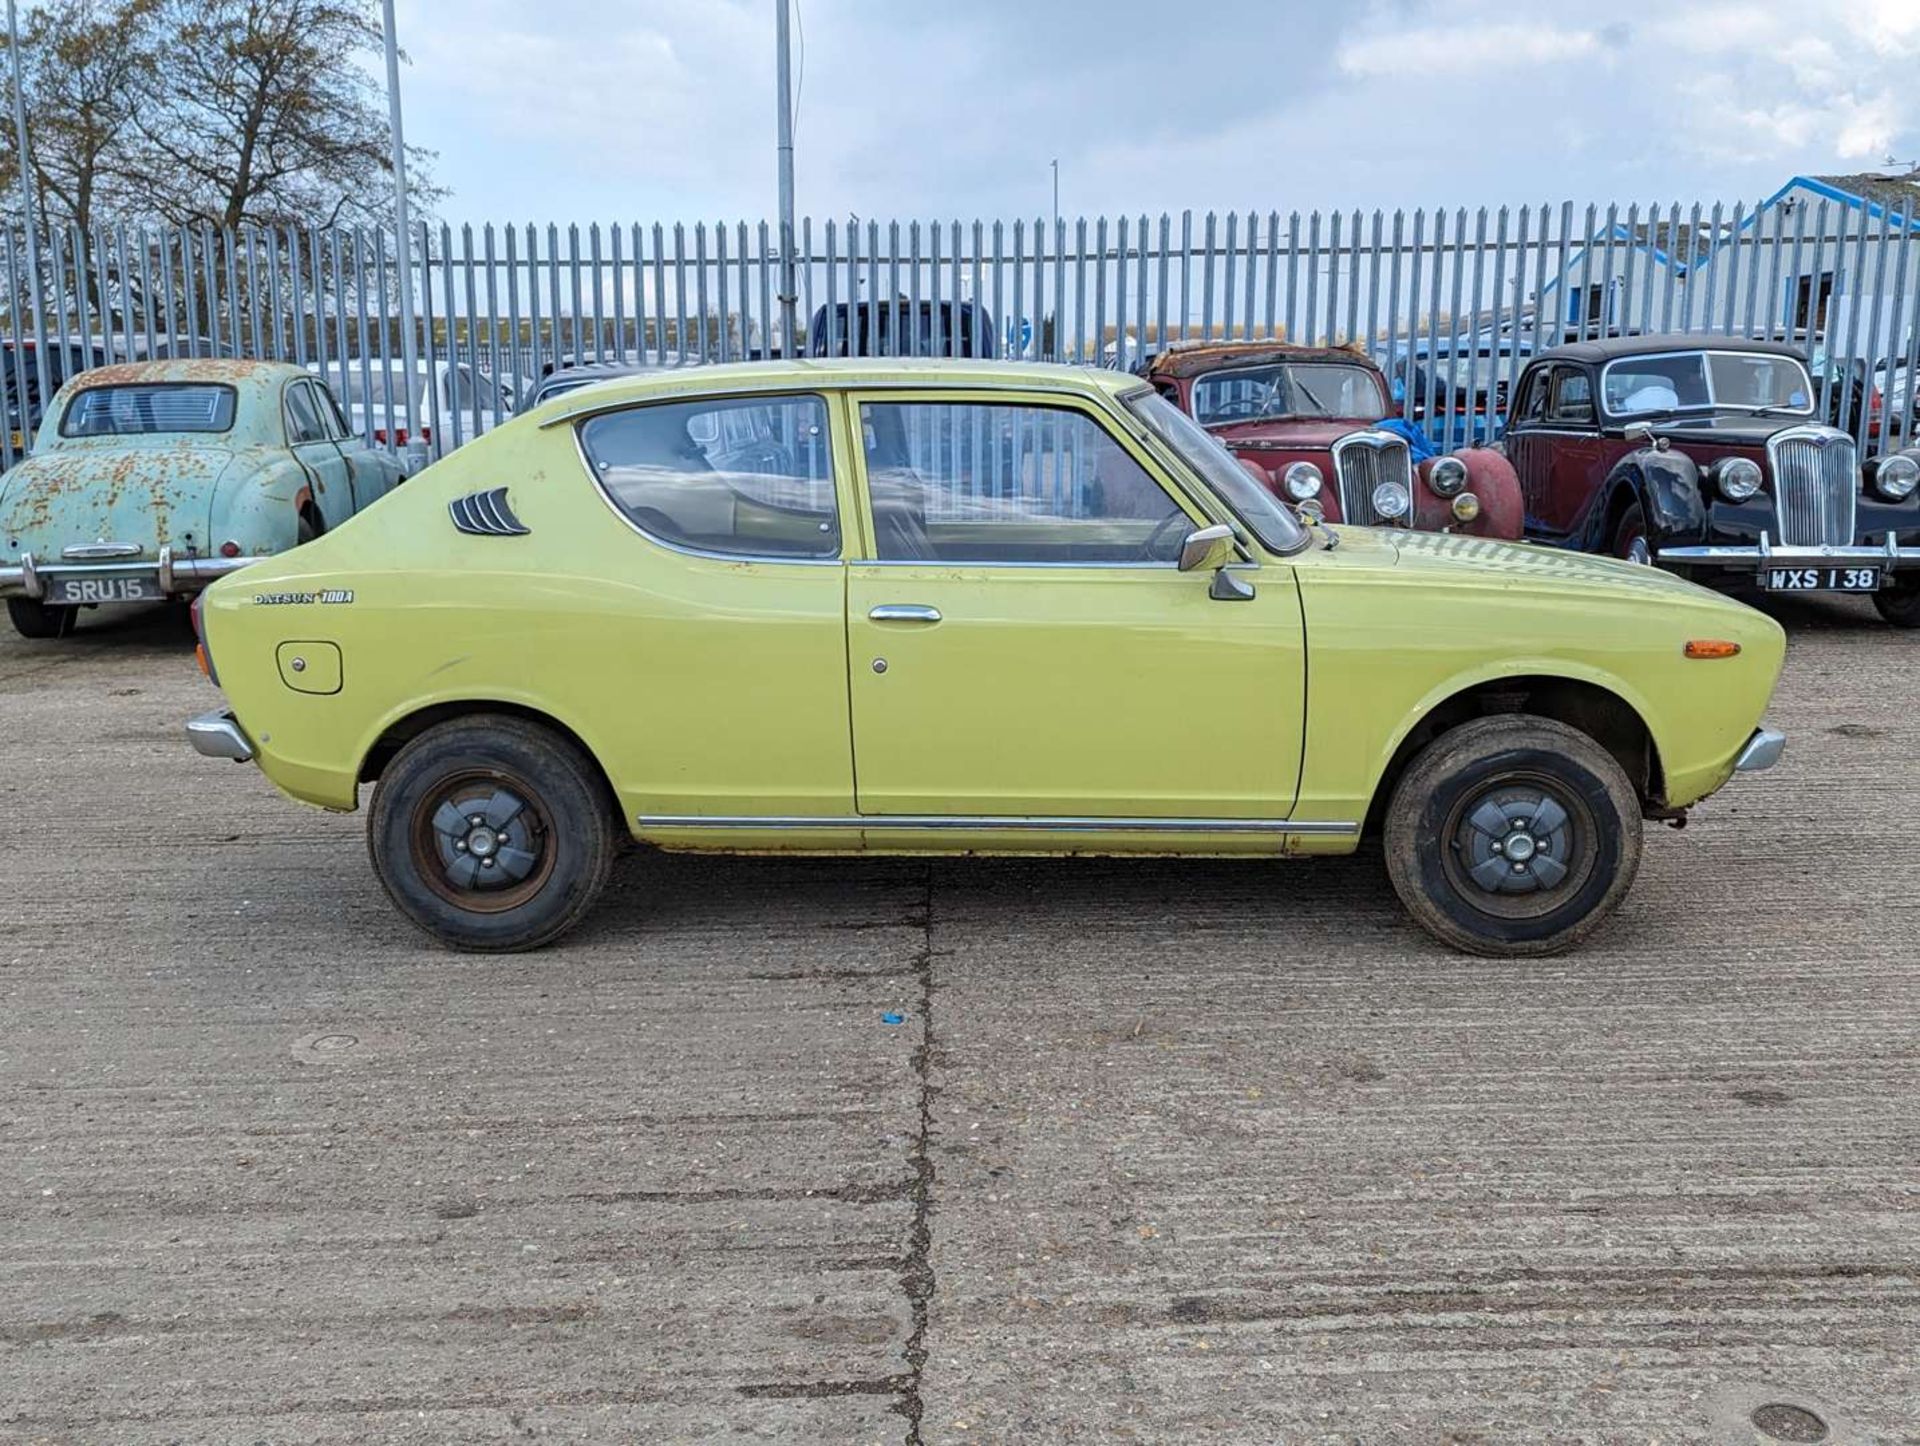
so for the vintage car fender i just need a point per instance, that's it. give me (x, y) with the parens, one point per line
(1490, 478)
(1665, 482)
(257, 502)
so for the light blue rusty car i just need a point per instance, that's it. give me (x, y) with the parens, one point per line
(149, 480)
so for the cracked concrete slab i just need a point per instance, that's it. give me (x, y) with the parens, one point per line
(1157, 1151)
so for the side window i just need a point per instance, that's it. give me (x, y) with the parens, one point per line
(1533, 396)
(744, 476)
(328, 406)
(303, 419)
(974, 482)
(1572, 396)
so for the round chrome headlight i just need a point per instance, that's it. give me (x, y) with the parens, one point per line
(1466, 507)
(1738, 478)
(1302, 480)
(1896, 476)
(1447, 476)
(1390, 500)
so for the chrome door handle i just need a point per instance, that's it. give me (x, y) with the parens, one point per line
(904, 613)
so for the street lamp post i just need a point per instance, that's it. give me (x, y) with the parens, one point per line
(33, 235)
(789, 297)
(403, 245)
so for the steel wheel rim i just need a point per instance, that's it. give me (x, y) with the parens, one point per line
(1637, 550)
(483, 841)
(1519, 846)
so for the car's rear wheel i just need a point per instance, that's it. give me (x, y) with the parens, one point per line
(492, 833)
(1512, 836)
(1630, 536)
(1900, 604)
(33, 619)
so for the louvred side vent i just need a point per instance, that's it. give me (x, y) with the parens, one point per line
(486, 514)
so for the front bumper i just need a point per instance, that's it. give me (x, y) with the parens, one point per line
(1764, 554)
(174, 574)
(218, 735)
(1762, 750)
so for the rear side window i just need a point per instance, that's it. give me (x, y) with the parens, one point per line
(149, 407)
(741, 476)
(303, 419)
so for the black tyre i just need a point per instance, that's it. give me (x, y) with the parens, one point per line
(41, 620)
(492, 833)
(1630, 536)
(1512, 836)
(1900, 604)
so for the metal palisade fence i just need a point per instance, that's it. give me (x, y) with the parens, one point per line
(1450, 302)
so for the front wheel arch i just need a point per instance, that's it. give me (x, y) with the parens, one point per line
(1603, 715)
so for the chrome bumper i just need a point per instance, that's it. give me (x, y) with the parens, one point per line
(175, 574)
(1764, 554)
(217, 734)
(1763, 750)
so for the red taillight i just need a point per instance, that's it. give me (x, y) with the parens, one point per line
(400, 436)
(229, 548)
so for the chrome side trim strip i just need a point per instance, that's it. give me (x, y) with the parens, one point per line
(1763, 750)
(1023, 822)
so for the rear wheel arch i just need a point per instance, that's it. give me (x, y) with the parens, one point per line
(1592, 708)
(402, 731)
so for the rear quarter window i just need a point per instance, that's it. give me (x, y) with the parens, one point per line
(142, 409)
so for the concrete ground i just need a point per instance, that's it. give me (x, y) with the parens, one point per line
(1158, 1152)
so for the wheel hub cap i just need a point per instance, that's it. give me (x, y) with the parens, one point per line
(1515, 839)
(485, 838)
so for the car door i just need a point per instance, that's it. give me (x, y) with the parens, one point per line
(735, 670)
(1576, 465)
(1526, 442)
(310, 439)
(1022, 644)
(372, 473)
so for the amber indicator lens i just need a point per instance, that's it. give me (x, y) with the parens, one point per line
(200, 657)
(1712, 648)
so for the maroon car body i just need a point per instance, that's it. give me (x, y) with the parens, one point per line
(1276, 406)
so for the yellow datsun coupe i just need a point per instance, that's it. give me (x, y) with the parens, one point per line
(880, 606)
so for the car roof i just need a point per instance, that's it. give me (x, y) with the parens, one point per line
(1195, 358)
(1607, 348)
(841, 373)
(228, 370)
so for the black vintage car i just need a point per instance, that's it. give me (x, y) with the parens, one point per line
(1704, 454)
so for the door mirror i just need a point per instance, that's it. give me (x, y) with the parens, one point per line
(1208, 548)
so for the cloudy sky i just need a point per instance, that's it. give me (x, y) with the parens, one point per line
(663, 109)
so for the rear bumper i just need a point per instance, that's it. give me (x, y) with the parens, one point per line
(1759, 556)
(1762, 750)
(174, 574)
(218, 735)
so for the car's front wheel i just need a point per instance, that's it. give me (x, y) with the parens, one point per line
(33, 619)
(1512, 836)
(1630, 536)
(1899, 604)
(492, 833)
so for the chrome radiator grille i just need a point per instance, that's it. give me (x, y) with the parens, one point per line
(1363, 461)
(1816, 484)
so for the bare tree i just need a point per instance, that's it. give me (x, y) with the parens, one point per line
(266, 114)
(89, 69)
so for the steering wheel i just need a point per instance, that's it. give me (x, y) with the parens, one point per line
(1150, 549)
(1235, 409)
